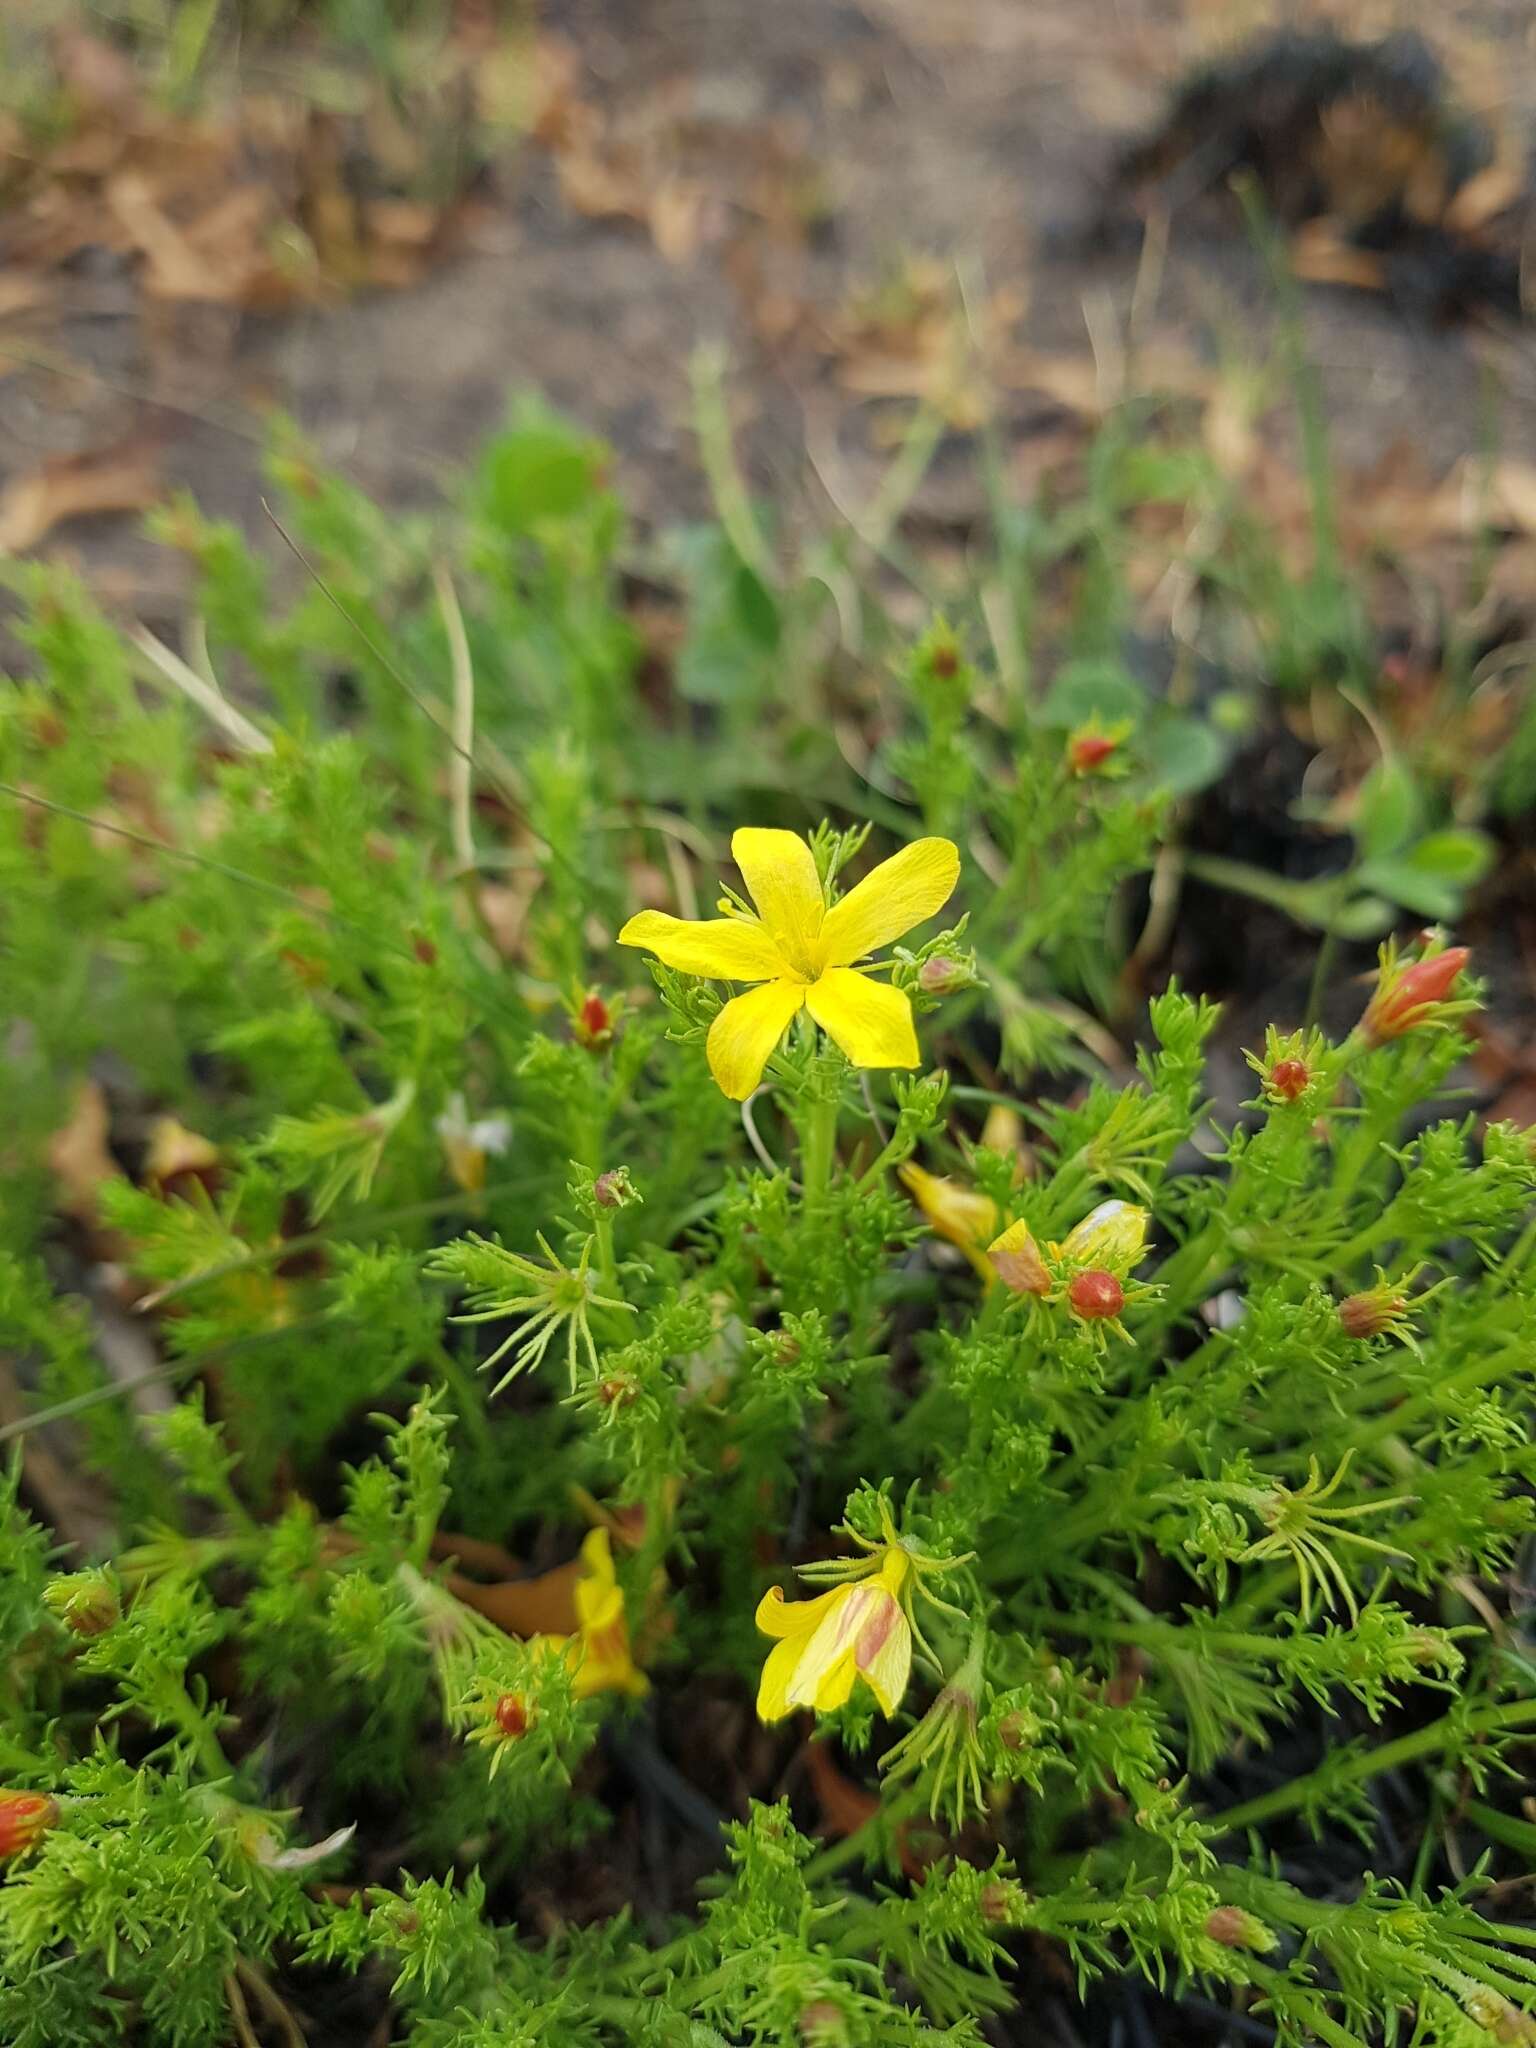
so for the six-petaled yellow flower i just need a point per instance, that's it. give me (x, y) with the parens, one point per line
(800, 951)
(859, 1629)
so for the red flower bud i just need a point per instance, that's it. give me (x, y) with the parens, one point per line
(24, 1816)
(512, 1715)
(1290, 1078)
(1096, 1295)
(1088, 751)
(945, 662)
(938, 976)
(594, 1022)
(1403, 1000)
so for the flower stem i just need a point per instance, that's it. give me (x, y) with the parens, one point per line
(818, 1139)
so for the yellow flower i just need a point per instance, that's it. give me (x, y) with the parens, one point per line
(964, 1215)
(856, 1630)
(801, 952)
(1113, 1235)
(598, 1653)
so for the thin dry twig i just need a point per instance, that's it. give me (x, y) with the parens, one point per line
(201, 691)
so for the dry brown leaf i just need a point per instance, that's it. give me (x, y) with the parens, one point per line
(1511, 488)
(541, 1606)
(121, 479)
(174, 266)
(1318, 255)
(94, 73)
(174, 1150)
(676, 218)
(78, 1154)
(1485, 197)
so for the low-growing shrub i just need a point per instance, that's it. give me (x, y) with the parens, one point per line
(688, 1510)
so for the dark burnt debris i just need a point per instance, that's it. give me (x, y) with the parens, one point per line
(1362, 136)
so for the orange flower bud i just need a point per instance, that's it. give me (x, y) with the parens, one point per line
(1407, 997)
(24, 1816)
(1088, 751)
(1290, 1078)
(1096, 1295)
(513, 1716)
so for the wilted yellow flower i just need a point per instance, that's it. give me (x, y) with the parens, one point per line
(802, 952)
(599, 1652)
(603, 1661)
(1015, 1259)
(965, 1216)
(856, 1630)
(1114, 1235)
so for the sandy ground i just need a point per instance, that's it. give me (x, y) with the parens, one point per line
(972, 132)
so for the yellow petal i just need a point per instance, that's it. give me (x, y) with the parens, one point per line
(870, 1020)
(780, 873)
(773, 1701)
(900, 893)
(883, 1654)
(746, 1031)
(783, 1618)
(964, 1215)
(725, 948)
(598, 1585)
(834, 1685)
(819, 1670)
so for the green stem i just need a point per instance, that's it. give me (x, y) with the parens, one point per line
(1390, 1756)
(818, 1138)
(885, 1819)
(607, 1265)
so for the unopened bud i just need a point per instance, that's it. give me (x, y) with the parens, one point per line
(787, 1350)
(1096, 1295)
(24, 1816)
(1112, 1235)
(1234, 1928)
(617, 1391)
(1087, 751)
(999, 1901)
(594, 1022)
(1289, 1078)
(1018, 1730)
(85, 1602)
(1016, 1259)
(822, 2025)
(941, 976)
(614, 1189)
(1406, 998)
(1372, 1313)
(1498, 2017)
(945, 660)
(513, 1716)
